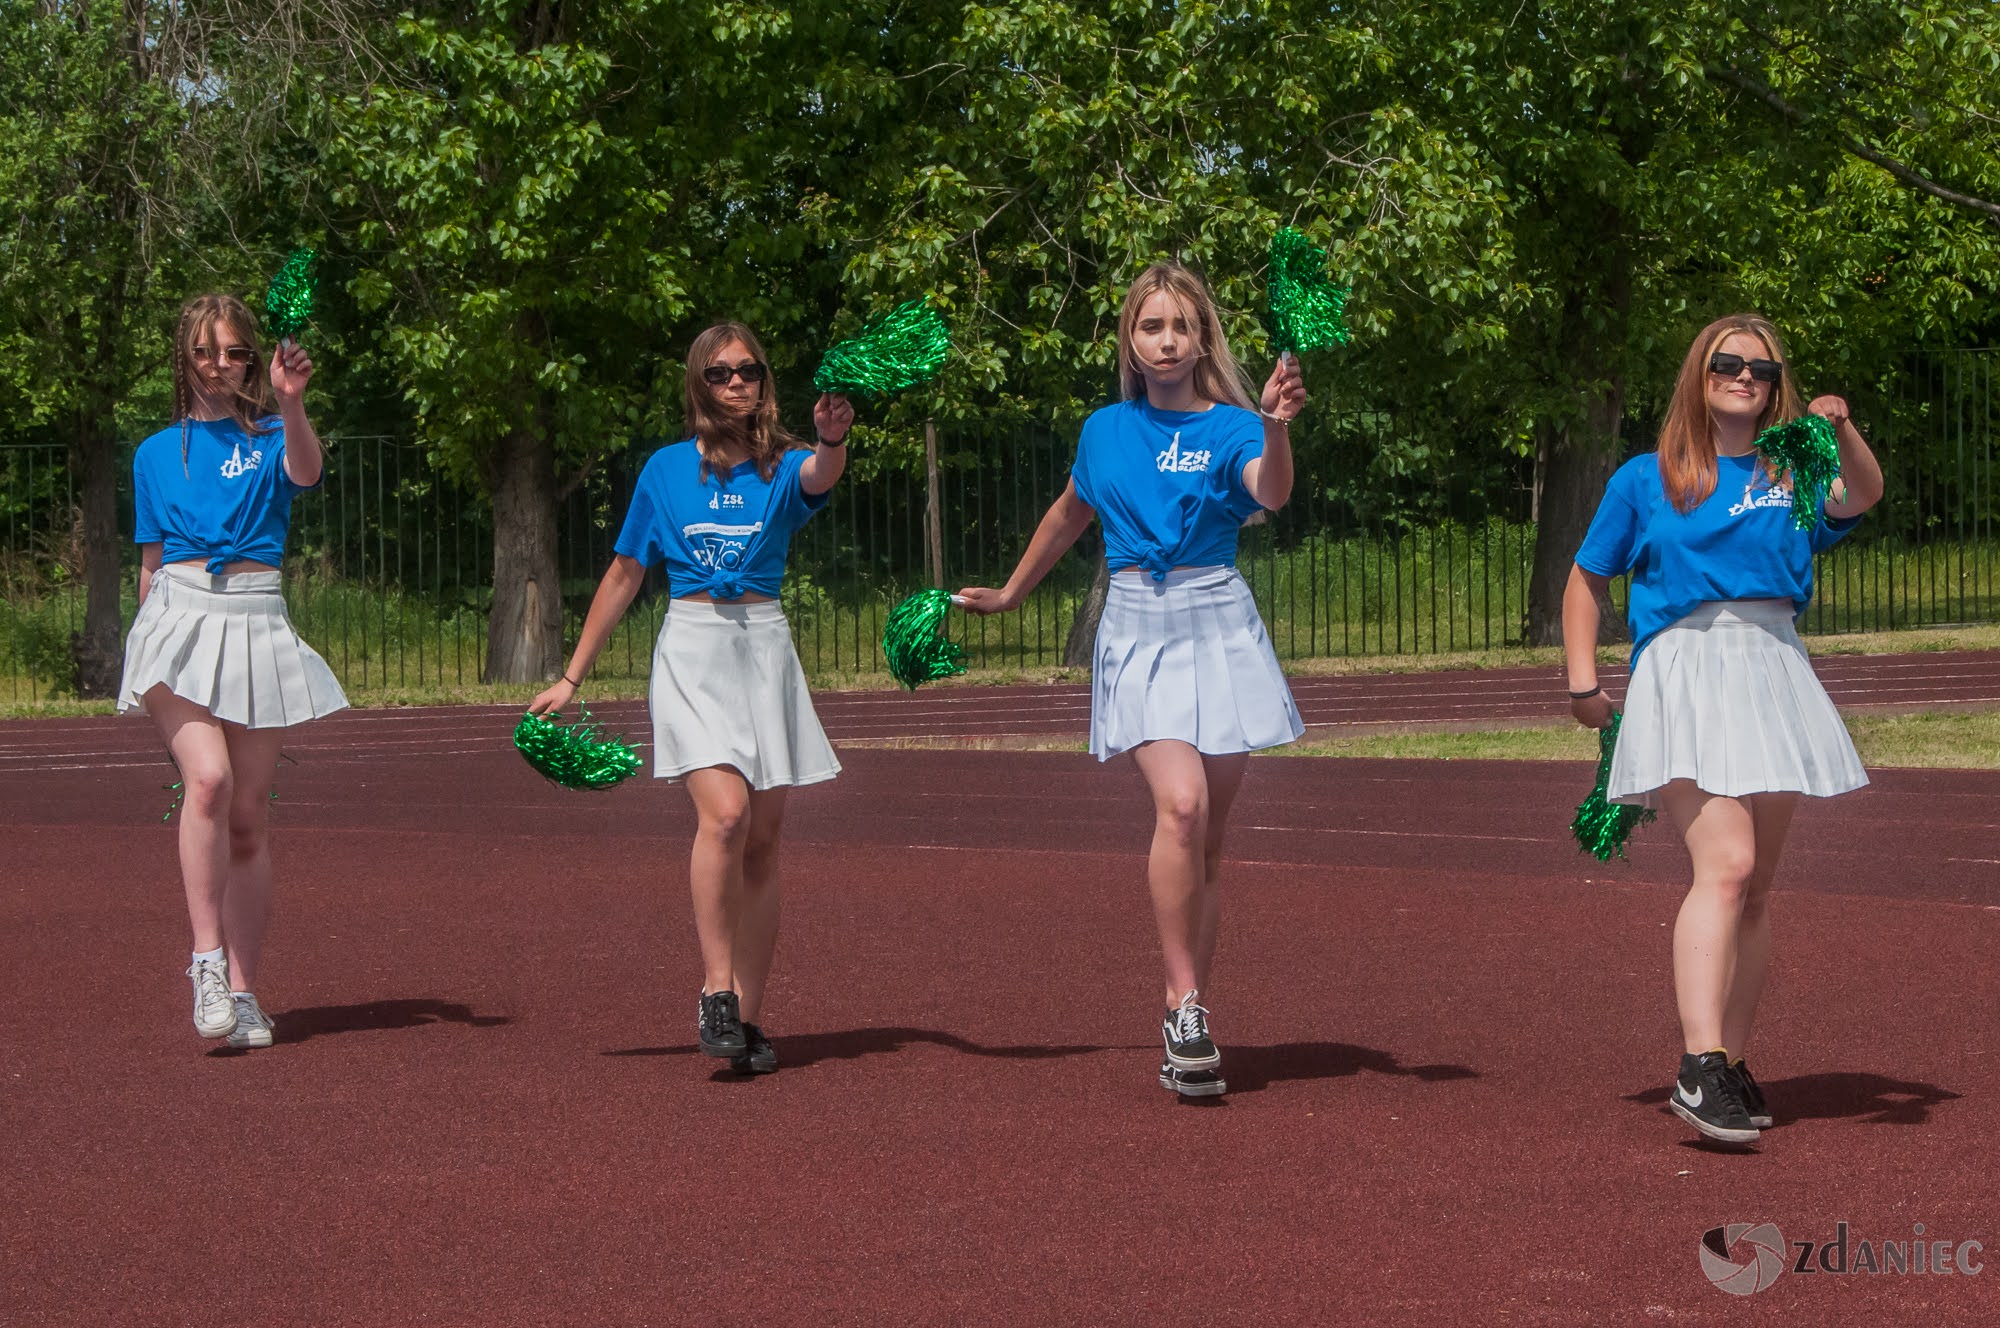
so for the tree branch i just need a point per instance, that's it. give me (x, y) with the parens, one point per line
(1849, 143)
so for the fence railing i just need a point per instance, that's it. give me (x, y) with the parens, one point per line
(388, 570)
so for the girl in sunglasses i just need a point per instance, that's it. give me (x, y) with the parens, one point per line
(212, 657)
(730, 708)
(1183, 674)
(1725, 724)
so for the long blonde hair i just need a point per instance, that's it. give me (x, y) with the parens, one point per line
(761, 434)
(1687, 437)
(1217, 376)
(201, 314)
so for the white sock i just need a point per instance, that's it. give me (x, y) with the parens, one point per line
(208, 956)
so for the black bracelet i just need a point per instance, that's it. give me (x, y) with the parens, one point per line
(837, 442)
(571, 681)
(1585, 696)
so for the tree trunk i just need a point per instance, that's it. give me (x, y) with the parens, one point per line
(524, 632)
(93, 460)
(1576, 456)
(1573, 472)
(1079, 649)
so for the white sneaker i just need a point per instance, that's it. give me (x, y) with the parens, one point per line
(214, 1008)
(253, 1026)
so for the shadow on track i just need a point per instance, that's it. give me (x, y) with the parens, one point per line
(325, 1020)
(1249, 1069)
(1875, 1099)
(797, 1050)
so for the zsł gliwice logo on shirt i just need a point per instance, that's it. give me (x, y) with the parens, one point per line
(1173, 461)
(237, 464)
(1776, 495)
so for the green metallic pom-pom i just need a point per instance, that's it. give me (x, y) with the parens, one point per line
(1601, 826)
(914, 640)
(574, 755)
(1307, 307)
(288, 304)
(1809, 449)
(904, 348)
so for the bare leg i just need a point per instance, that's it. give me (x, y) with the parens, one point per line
(195, 737)
(1721, 838)
(715, 871)
(246, 902)
(1225, 778)
(1175, 870)
(1772, 815)
(757, 917)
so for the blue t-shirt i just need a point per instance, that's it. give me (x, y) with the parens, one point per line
(229, 500)
(1738, 544)
(726, 534)
(1168, 484)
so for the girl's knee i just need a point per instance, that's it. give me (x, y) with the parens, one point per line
(208, 793)
(1184, 816)
(727, 824)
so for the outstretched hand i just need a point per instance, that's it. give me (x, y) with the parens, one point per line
(291, 370)
(983, 600)
(1285, 390)
(559, 694)
(833, 416)
(1832, 407)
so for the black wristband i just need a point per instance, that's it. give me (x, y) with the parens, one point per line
(837, 442)
(571, 681)
(1585, 696)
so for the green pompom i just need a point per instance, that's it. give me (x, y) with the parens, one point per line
(914, 640)
(1307, 307)
(574, 755)
(904, 348)
(1601, 826)
(288, 304)
(1807, 448)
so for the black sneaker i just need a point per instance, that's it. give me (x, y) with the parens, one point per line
(759, 1056)
(1754, 1105)
(1192, 1083)
(720, 1026)
(1189, 1047)
(1706, 1096)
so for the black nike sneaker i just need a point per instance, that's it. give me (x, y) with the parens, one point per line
(1706, 1096)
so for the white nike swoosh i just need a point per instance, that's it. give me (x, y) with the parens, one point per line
(1692, 1099)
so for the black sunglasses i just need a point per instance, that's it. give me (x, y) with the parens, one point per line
(1728, 366)
(718, 375)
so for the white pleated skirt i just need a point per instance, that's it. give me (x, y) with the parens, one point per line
(1726, 697)
(1187, 659)
(225, 642)
(728, 690)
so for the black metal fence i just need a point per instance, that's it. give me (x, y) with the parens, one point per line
(388, 570)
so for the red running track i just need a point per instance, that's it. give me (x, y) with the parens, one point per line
(1447, 1038)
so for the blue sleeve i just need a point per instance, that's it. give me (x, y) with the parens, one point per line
(1831, 530)
(145, 508)
(1079, 471)
(276, 440)
(798, 505)
(1244, 445)
(639, 537)
(1614, 531)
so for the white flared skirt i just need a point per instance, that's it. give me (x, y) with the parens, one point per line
(225, 642)
(1187, 659)
(1726, 697)
(728, 690)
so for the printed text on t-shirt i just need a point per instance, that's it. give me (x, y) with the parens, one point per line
(1175, 461)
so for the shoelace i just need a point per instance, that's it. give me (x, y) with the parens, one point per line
(211, 988)
(1190, 1020)
(249, 1014)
